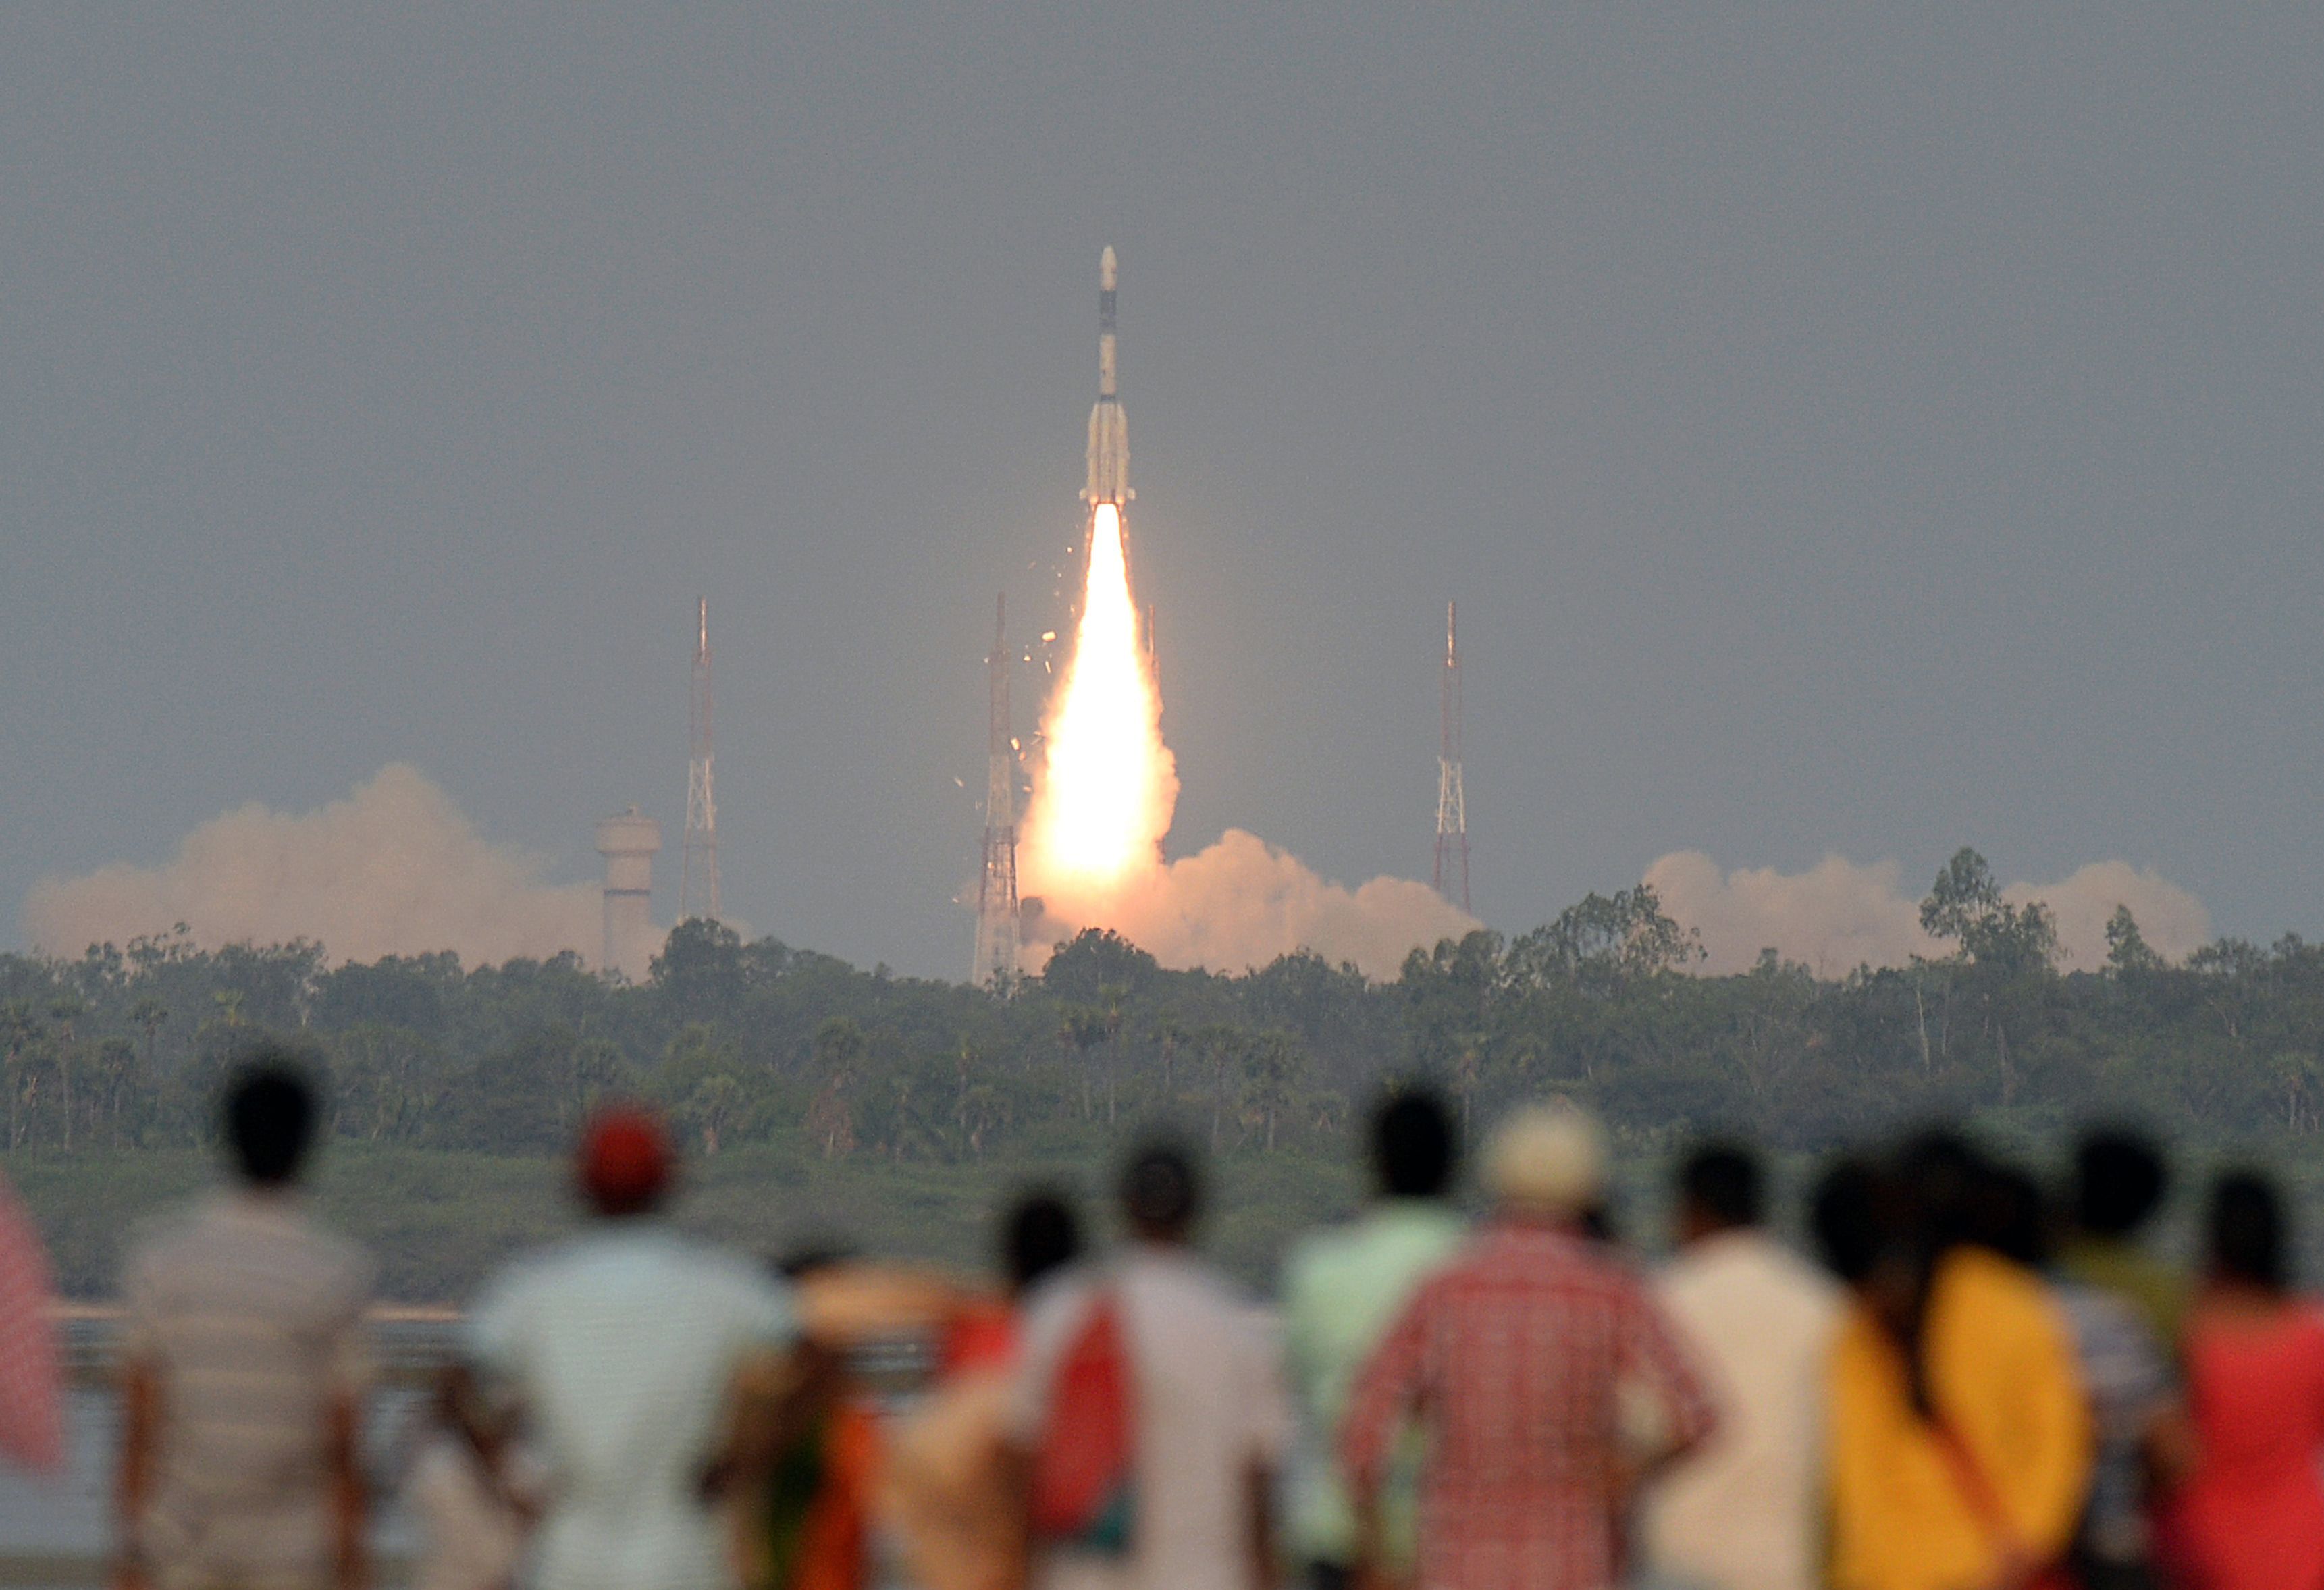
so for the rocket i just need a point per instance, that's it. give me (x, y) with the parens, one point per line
(1109, 431)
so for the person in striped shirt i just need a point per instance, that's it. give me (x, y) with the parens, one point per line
(244, 1373)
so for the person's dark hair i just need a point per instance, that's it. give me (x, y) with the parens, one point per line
(812, 1258)
(1160, 1191)
(2119, 1177)
(1412, 1144)
(2013, 1217)
(1041, 1234)
(1722, 1181)
(1844, 1212)
(269, 1117)
(2245, 1231)
(1942, 1195)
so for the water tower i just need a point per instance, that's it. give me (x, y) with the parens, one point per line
(628, 843)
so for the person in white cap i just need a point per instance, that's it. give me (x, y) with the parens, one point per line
(1520, 1360)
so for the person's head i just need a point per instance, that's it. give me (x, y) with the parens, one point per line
(625, 1163)
(2119, 1177)
(1161, 1193)
(1845, 1212)
(2012, 1217)
(269, 1118)
(1411, 1145)
(1719, 1190)
(1546, 1162)
(2245, 1234)
(1940, 1188)
(1041, 1234)
(809, 1259)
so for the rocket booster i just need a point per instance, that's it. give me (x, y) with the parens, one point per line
(1109, 431)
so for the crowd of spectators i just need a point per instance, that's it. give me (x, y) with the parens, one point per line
(1979, 1380)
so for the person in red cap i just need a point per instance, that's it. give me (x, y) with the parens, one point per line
(623, 1357)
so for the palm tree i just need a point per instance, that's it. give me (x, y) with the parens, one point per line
(150, 1014)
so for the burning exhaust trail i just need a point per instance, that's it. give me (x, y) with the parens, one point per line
(1109, 784)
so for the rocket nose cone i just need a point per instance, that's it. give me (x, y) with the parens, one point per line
(1107, 269)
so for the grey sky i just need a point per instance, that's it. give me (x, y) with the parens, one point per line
(1845, 427)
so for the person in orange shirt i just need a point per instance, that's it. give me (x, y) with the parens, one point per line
(1960, 1444)
(947, 1486)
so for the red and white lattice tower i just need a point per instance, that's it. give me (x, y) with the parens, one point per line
(1451, 803)
(697, 887)
(996, 887)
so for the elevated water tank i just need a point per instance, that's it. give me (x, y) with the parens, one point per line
(628, 843)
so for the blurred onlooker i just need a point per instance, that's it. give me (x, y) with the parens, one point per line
(2120, 1180)
(643, 1369)
(1341, 1292)
(1959, 1435)
(459, 1490)
(243, 1372)
(1741, 1512)
(807, 1524)
(1514, 1358)
(31, 1379)
(2251, 1515)
(2126, 1372)
(945, 1482)
(1197, 1381)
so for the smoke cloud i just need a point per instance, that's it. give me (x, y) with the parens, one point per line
(1839, 914)
(393, 869)
(1241, 903)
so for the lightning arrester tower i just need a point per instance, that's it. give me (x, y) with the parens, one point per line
(996, 888)
(1451, 803)
(697, 887)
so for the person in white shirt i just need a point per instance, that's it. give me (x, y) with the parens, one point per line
(622, 1355)
(1743, 1511)
(1211, 1420)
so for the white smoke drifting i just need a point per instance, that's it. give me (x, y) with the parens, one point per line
(1838, 915)
(393, 869)
(1241, 903)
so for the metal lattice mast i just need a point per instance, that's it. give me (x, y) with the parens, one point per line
(1451, 803)
(996, 887)
(698, 888)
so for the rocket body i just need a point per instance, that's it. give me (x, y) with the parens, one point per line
(1109, 431)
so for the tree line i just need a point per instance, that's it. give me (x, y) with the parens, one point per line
(750, 1043)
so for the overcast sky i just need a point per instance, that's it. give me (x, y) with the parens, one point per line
(1858, 429)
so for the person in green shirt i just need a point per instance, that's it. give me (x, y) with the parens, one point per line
(1343, 1288)
(2119, 1179)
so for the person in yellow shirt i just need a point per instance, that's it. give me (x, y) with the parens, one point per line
(1960, 1444)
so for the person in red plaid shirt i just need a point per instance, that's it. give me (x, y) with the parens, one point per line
(1525, 1361)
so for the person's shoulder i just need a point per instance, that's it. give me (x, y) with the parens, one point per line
(1318, 1260)
(1992, 1291)
(343, 1260)
(159, 1245)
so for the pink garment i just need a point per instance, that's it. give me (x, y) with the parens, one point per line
(2252, 1517)
(32, 1381)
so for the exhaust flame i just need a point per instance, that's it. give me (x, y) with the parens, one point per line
(1109, 784)
(1093, 836)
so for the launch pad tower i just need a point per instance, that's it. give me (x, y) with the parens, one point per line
(697, 886)
(1452, 876)
(996, 887)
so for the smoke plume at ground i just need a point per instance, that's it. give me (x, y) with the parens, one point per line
(1241, 903)
(393, 869)
(1839, 914)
